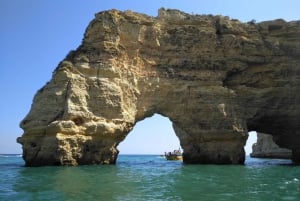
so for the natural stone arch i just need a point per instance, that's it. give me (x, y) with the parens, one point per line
(213, 77)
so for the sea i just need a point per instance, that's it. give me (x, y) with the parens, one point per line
(149, 178)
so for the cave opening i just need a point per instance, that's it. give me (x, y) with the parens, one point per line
(266, 147)
(152, 136)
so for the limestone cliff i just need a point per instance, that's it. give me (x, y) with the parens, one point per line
(213, 77)
(266, 148)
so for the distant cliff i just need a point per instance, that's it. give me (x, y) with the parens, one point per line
(213, 77)
(266, 148)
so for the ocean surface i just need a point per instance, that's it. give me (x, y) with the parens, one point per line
(150, 177)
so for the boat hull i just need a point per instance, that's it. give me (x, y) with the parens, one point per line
(173, 158)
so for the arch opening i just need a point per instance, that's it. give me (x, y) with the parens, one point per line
(152, 136)
(266, 147)
(252, 139)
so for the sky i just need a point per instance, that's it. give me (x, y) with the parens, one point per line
(35, 35)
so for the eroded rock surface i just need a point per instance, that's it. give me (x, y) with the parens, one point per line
(266, 148)
(213, 77)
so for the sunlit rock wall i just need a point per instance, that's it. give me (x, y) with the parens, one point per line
(215, 79)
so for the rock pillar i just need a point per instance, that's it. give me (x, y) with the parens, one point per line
(265, 147)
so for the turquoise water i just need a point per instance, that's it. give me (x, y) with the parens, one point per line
(151, 177)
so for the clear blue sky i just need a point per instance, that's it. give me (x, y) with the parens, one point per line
(37, 34)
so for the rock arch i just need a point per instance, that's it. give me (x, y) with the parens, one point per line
(213, 77)
(153, 135)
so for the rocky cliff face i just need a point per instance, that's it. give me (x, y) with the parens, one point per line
(213, 77)
(266, 148)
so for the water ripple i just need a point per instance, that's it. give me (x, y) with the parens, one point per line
(151, 178)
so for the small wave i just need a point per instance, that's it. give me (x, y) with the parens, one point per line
(293, 181)
(10, 155)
